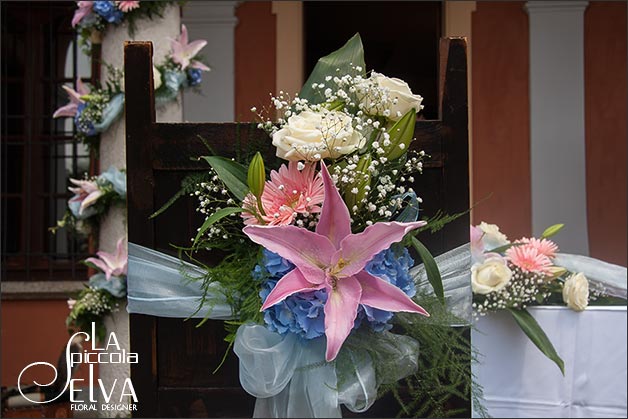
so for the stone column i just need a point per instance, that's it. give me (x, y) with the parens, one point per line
(557, 138)
(113, 152)
(215, 22)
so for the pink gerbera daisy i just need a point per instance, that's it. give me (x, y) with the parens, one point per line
(127, 6)
(544, 246)
(528, 258)
(289, 192)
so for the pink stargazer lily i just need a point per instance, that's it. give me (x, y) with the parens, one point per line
(112, 264)
(87, 193)
(334, 259)
(71, 107)
(84, 8)
(183, 51)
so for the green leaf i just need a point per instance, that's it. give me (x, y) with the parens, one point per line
(502, 249)
(431, 269)
(531, 328)
(351, 53)
(401, 132)
(232, 173)
(215, 217)
(551, 230)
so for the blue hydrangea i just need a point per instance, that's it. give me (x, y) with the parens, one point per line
(83, 125)
(302, 313)
(108, 11)
(195, 76)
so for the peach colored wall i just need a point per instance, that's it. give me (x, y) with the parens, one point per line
(605, 128)
(33, 331)
(501, 116)
(255, 55)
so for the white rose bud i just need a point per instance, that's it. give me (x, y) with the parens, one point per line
(156, 78)
(491, 275)
(399, 94)
(313, 136)
(576, 292)
(492, 237)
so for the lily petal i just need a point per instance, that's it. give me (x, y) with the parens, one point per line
(199, 65)
(291, 283)
(184, 35)
(90, 199)
(100, 265)
(309, 251)
(358, 249)
(335, 221)
(195, 47)
(378, 293)
(67, 110)
(75, 97)
(341, 309)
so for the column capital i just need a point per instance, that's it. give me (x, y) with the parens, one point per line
(534, 7)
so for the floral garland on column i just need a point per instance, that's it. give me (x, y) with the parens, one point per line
(95, 109)
(92, 18)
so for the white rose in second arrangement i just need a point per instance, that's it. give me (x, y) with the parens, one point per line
(491, 275)
(576, 292)
(492, 237)
(314, 136)
(390, 97)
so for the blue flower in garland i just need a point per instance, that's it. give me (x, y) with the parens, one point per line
(195, 76)
(108, 11)
(303, 314)
(82, 124)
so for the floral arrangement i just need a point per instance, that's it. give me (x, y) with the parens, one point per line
(92, 18)
(95, 110)
(104, 292)
(515, 275)
(318, 247)
(92, 198)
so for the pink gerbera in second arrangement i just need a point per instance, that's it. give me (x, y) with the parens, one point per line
(528, 258)
(289, 192)
(127, 6)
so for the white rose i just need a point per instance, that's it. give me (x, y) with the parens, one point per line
(314, 136)
(492, 237)
(392, 98)
(156, 78)
(491, 275)
(576, 292)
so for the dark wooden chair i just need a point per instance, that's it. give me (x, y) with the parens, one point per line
(174, 376)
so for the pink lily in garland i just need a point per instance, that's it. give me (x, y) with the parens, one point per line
(112, 264)
(71, 107)
(334, 259)
(183, 51)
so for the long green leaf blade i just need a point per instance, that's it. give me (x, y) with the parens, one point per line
(232, 173)
(351, 53)
(215, 217)
(431, 269)
(533, 330)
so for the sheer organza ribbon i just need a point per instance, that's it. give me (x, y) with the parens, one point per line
(289, 375)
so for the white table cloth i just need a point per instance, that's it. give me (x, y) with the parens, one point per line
(519, 381)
